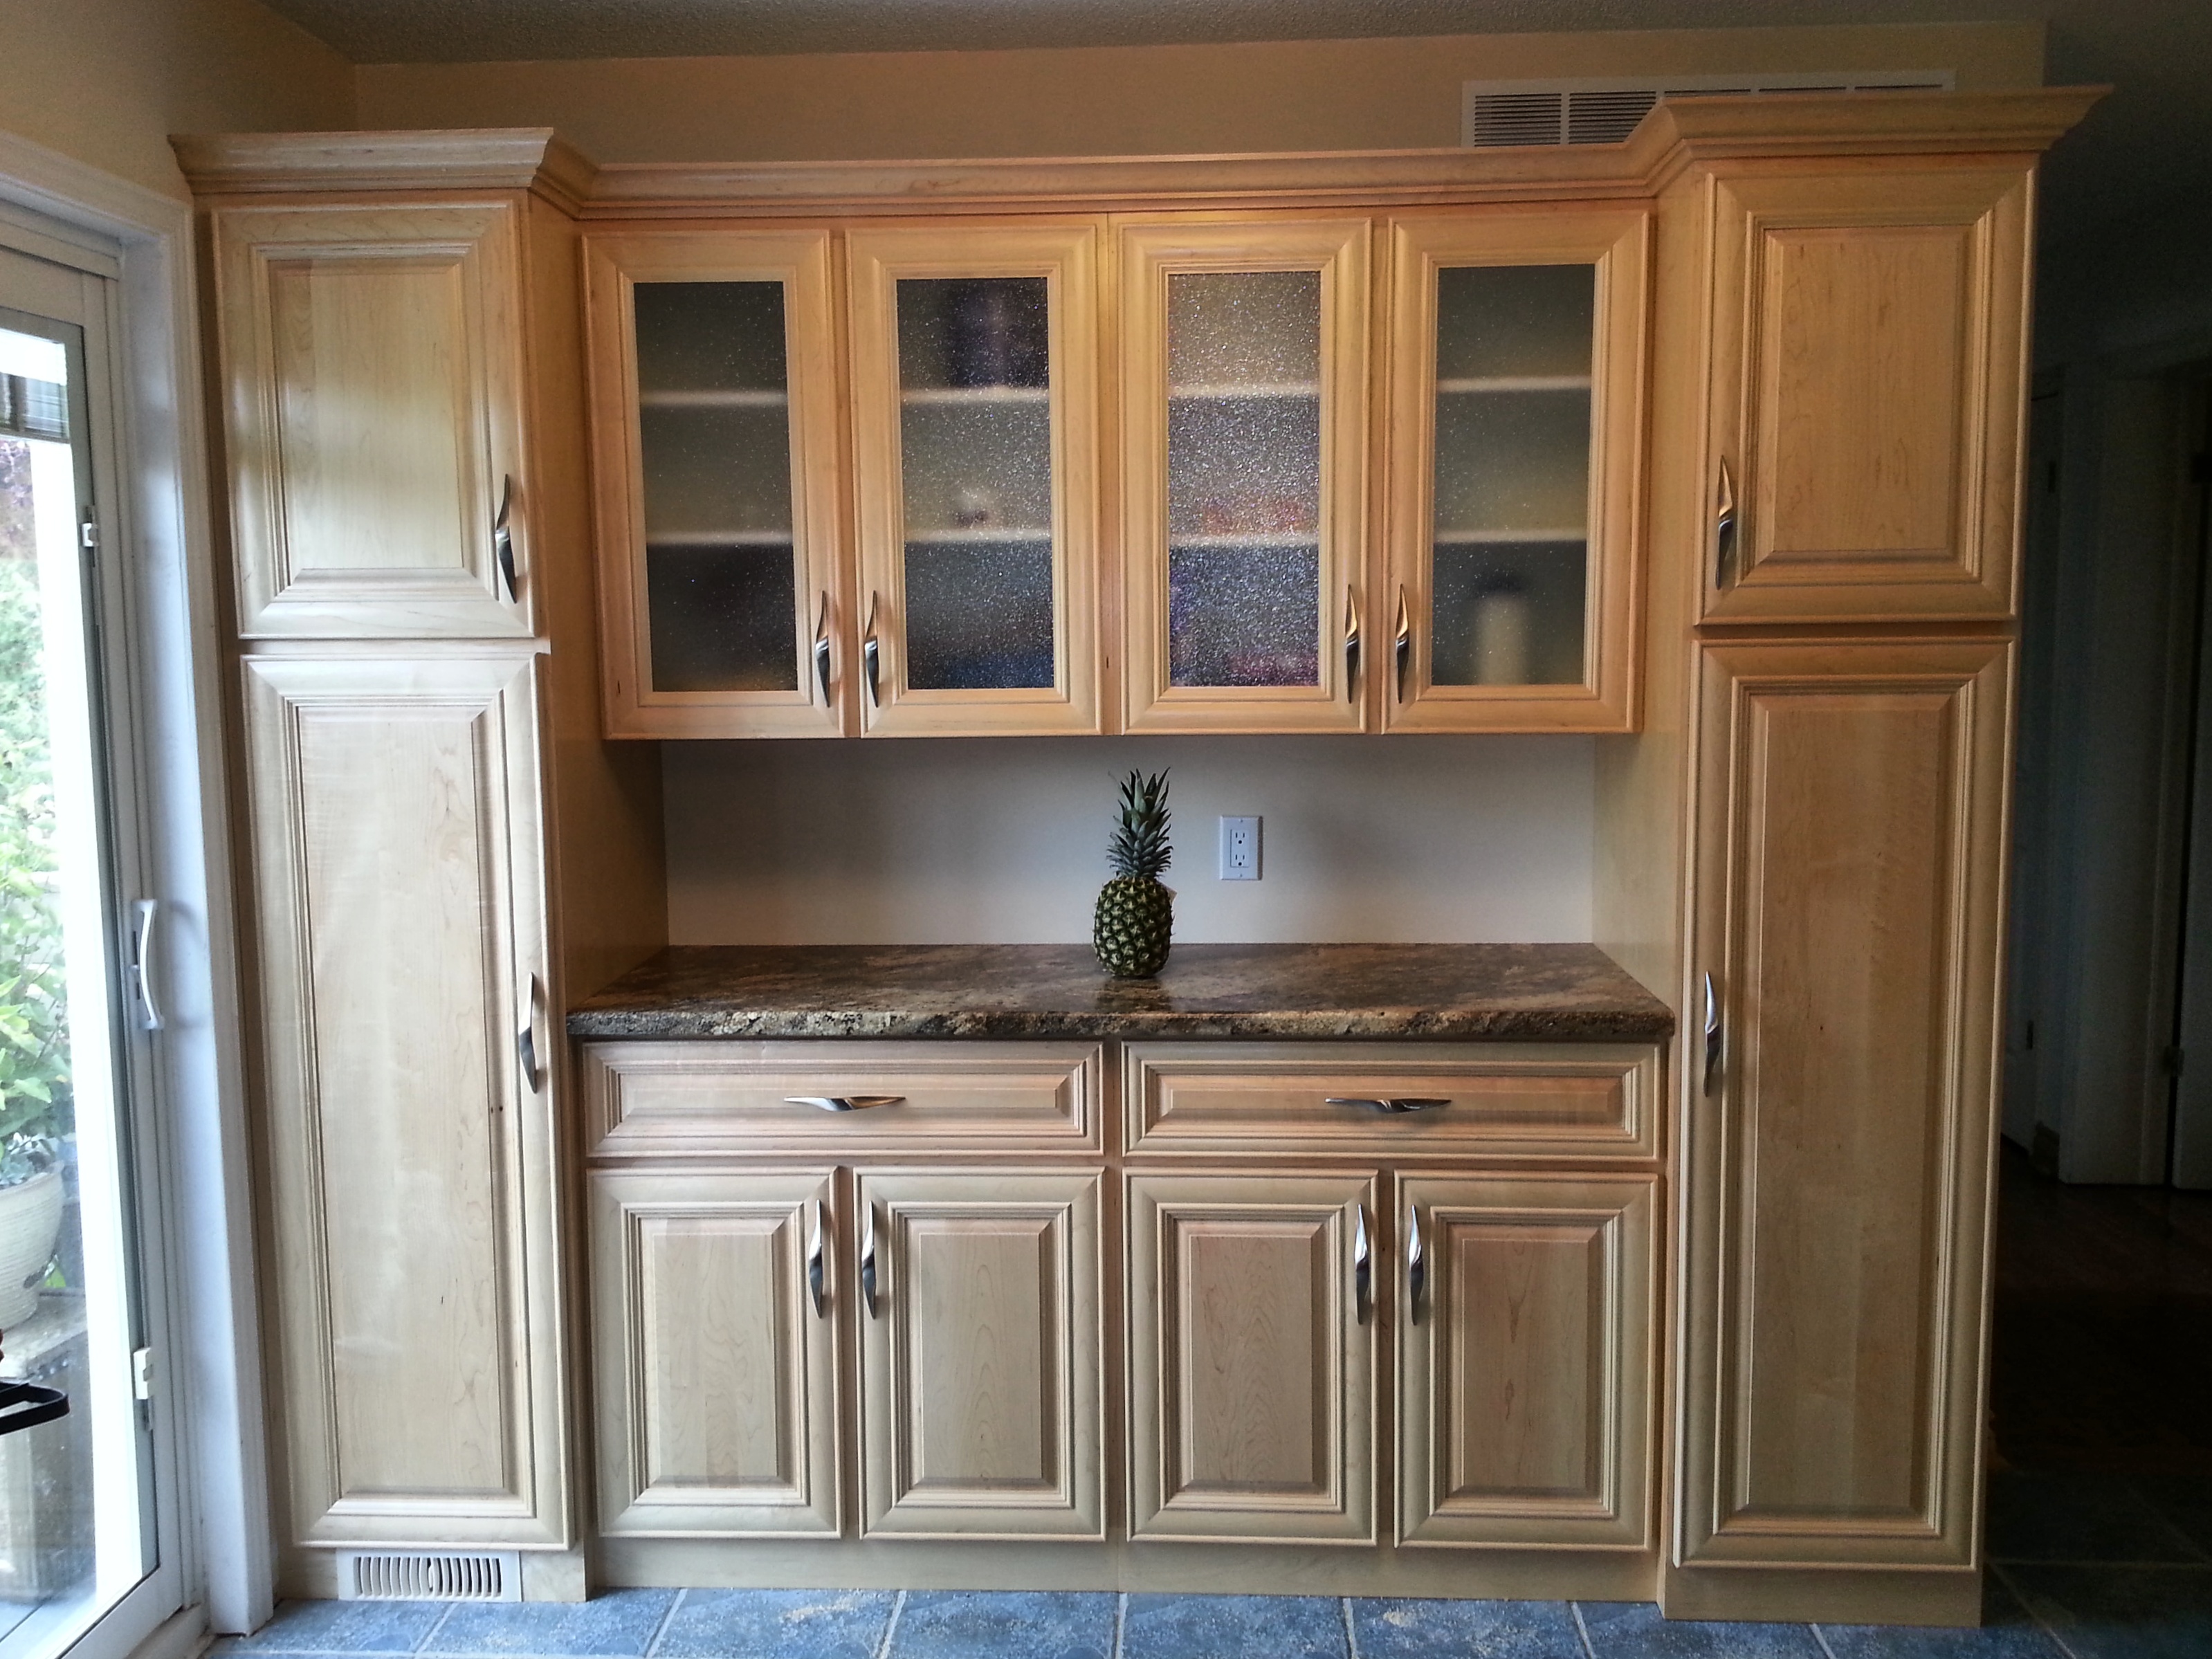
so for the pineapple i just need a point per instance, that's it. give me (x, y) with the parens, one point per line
(1135, 912)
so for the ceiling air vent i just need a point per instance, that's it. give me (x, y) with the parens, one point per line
(1605, 111)
(429, 1575)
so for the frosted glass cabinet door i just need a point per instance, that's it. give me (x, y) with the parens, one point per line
(974, 399)
(1243, 377)
(1516, 346)
(714, 410)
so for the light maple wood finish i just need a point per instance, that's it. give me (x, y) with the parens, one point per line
(1252, 1377)
(1524, 1377)
(1150, 251)
(1867, 370)
(730, 1098)
(799, 262)
(371, 373)
(1851, 822)
(981, 1405)
(1066, 256)
(718, 1397)
(1507, 1101)
(1617, 245)
(412, 1273)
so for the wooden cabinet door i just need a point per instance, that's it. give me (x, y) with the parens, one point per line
(1245, 474)
(372, 364)
(980, 1398)
(975, 392)
(713, 1303)
(1525, 1363)
(1868, 333)
(1850, 817)
(725, 610)
(1517, 475)
(1251, 1358)
(414, 1288)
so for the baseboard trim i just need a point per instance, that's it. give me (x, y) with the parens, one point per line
(1947, 1596)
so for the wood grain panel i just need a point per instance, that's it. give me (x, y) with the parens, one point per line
(372, 372)
(1525, 1383)
(717, 1379)
(980, 1380)
(1853, 799)
(1251, 1373)
(395, 877)
(1505, 1100)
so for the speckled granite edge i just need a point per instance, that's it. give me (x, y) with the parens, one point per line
(1483, 993)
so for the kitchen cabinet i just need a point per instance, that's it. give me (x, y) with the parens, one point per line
(724, 610)
(1243, 394)
(1517, 346)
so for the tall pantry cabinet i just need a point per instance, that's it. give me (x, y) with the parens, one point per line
(399, 389)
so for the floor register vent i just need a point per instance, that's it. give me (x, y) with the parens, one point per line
(1605, 111)
(429, 1575)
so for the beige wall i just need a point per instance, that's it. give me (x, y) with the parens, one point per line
(1339, 95)
(107, 81)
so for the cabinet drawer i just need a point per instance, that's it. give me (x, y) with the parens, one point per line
(1500, 1100)
(715, 1097)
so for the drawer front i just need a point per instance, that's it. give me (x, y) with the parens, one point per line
(712, 1099)
(1499, 1100)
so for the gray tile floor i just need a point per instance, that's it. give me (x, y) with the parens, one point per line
(2086, 1567)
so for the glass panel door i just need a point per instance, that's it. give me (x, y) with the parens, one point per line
(76, 1516)
(973, 388)
(1516, 375)
(1245, 410)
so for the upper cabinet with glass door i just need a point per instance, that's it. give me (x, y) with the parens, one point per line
(1244, 413)
(1517, 345)
(714, 417)
(973, 388)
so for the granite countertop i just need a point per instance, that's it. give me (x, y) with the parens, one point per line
(1497, 993)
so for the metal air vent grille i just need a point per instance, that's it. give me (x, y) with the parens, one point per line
(428, 1575)
(1605, 111)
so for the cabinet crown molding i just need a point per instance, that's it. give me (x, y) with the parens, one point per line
(483, 158)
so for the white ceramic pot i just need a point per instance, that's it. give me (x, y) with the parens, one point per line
(30, 1218)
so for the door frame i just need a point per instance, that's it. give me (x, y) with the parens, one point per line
(212, 1464)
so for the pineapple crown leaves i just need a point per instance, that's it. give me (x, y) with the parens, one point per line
(1139, 846)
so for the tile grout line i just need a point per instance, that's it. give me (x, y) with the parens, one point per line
(436, 1625)
(2030, 1609)
(1120, 1621)
(668, 1614)
(1350, 1634)
(1582, 1629)
(890, 1625)
(1822, 1636)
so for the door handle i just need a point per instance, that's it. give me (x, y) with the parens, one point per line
(868, 1255)
(822, 648)
(1725, 525)
(1417, 1262)
(525, 1039)
(1713, 1035)
(815, 1286)
(1394, 1103)
(872, 657)
(1350, 646)
(1403, 645)
(143, 975)
(502, 538)
(843, 1102)
(1363, 1267)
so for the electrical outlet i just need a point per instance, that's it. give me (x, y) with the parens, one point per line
(1240, 849)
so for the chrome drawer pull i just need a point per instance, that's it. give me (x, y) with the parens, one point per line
(1417, 1264)
(815, 1286)
(868, 1255)
(843, 1103)
(1394, 1103)
(1363, 1267)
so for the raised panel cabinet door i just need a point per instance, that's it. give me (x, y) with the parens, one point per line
(975, 396)
(714, 1303)
(372, 373)
(406, 1108)
(724, 611)
(1869, 340)
(1251, 1309)
(1517, 354)
(1243, 398)
(977, 1301)
(1842, 1115)
(1525, 1355)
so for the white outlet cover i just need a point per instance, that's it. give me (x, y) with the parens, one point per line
(1240, 849)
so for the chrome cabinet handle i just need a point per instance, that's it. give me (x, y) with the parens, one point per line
(1417, 1262)
(868, 1255)
(1404, 644)
(1350, 646)
(843, 1102)
(1725, 527)
(1712, 1034)
(815, 1286)
(822, 648)
(525, 1039)
(502, 538)
(872, 657)
(150, 1018)
(1363, 1267)
(1391, 1103)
